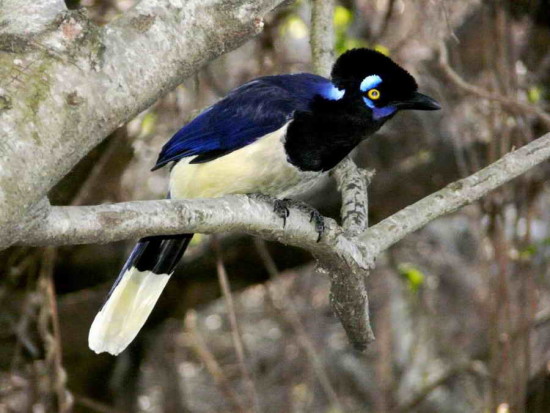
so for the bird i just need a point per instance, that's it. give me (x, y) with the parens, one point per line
(274, 136)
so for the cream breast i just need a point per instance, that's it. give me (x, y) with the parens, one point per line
(260, 167)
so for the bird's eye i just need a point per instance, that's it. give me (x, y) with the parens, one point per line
(373, 94)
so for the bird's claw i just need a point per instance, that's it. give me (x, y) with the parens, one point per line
(319, 222)
(281, 207)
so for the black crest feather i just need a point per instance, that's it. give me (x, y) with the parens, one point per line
(354, 65)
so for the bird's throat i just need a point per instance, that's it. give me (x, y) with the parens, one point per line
(319, 142)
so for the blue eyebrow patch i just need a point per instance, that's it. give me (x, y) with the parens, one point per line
(369, 82)
(331, 92)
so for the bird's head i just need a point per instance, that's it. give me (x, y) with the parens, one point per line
(370, 78)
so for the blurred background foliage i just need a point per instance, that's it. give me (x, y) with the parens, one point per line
(461, 308)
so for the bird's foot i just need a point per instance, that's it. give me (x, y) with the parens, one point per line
(319, 222)
(282, 208)
(279, 205)
(314, 215)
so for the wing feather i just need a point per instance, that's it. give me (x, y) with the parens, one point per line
(249, 112)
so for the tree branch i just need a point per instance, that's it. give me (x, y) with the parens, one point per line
(157, 38)
(28, 17)
(348, 292)
(353, 183)
(508, 103)
(66, 87)
(456, 195)
(345, 258)
(322, 36)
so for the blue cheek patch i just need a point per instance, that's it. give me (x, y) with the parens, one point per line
(333, 93)
(369, 82)
(378, 113)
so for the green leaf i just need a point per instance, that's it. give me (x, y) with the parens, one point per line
(382, 49)
(148, 123)
(342, 18)
(294, 27)
(534, 94)
(528, 252)
(414, 277)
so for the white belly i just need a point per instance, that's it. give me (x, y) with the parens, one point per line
(260, 167)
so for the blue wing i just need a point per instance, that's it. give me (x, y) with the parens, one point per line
(249, 112)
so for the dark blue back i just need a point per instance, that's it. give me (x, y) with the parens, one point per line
(249, 112)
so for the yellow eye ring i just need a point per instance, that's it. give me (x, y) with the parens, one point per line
(373, 94)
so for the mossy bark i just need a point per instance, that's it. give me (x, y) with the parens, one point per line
(65, 84)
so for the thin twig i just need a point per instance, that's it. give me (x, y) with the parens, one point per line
(457, 194)
(348, 292)
(420, 396)
(201, 350)
(94, 405)
(287, 311)
(446, 16)
(508, 103)
(385, 23)
(236, 335)
(91, 180)
(48, 325)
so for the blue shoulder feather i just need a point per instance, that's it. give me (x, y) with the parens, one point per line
(249, 112)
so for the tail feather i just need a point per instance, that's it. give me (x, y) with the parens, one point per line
(135, 292)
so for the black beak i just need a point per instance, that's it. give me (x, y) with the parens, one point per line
(419, 102)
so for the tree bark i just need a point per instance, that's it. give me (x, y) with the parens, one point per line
(66, 83)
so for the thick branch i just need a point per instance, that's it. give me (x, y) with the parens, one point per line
(454, 196)
(353, 183)
(27, 17)
(348, 292)
(113, 222)
(64, 89)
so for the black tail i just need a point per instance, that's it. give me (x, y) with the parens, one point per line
(159, 254)
(136, 291)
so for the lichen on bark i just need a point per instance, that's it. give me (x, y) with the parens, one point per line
(68, 83)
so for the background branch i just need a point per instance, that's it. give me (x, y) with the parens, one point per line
(236, 334)
(322, 36)
(508, 103)
(456, 195)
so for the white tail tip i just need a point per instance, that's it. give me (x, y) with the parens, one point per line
(126, 311)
